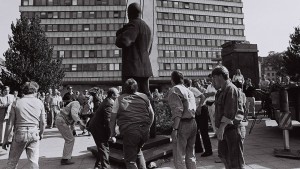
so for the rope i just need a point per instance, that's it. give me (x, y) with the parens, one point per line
(125, 12)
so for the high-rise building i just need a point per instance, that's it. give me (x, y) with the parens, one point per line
(187, 35)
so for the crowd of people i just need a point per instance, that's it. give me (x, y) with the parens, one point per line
(127, 111)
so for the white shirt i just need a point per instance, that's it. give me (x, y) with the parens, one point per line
(197, 95)
(210, 88)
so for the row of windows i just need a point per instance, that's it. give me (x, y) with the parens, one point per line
(199, 30)
(81, 40)
(81, 28)
(194, 54)
(71, 2)
(75, 14)
(190, 42)
(197, 6)
(199, 18)
(186, 66)
(91, 67)
(86, 53)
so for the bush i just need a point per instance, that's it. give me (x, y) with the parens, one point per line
(163, 118)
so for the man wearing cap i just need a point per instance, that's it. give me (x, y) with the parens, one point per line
(136, 42)
(27, 117)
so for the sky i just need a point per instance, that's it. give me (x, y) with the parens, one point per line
(268, 23)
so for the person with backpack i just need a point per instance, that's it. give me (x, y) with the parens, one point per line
(134, 115)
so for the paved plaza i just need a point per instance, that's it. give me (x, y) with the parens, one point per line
(259, 146)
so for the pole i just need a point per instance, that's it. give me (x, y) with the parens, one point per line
(286, 138)
(285, 125)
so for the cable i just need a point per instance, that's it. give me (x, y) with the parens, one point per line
(125, 13)
(143, 8)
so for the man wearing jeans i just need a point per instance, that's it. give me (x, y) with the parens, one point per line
(230, 144)
(134, 115)
(183, 107)
(27, 116)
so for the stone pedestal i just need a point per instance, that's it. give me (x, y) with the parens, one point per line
(155, 148)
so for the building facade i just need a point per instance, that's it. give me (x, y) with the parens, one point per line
(187, 35)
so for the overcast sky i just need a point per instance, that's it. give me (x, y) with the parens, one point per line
(268, 22)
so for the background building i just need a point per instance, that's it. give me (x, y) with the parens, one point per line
(267, 69)
(187, 35)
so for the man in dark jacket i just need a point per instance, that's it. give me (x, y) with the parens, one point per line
(136, 42)
(99, 126)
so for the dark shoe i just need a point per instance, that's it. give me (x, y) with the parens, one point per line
(218, 161)
(199, 151)
(74, 133)
(66, 162)
(206, 154)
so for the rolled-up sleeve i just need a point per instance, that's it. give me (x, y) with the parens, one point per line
(230, 106)
(175, 105)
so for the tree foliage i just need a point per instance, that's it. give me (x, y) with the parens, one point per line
(292, 58)
(29, 57)
(275, 60)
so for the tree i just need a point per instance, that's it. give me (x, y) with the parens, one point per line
(275, 60)
(29, 57)
(292, 58)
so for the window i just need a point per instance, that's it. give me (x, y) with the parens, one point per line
(167, 66)
(67, 54)
(61, 41)
(116, 14)
(92, 54)
(99, 53)
(92, 15)
(116, 53)
(117, 66)
(62, 15)
(167, 53)
(50, 2)
(67, 41)
(192, 18)
(74, 2)
(111, 66)
(178, 66)
(74, 68)
(68, 2)
(186, 5)
(176, 5)
(79, 14)
(55, 15)
(86, 27)
(61, 54)
(49, 28)
(92, 40)
(171, 41)
(86, 54)
(158, 3)
(25, 2)
(43, 15)
(86, 40)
